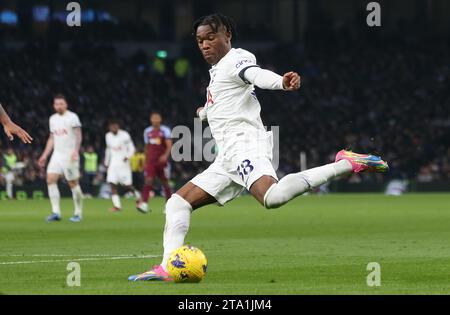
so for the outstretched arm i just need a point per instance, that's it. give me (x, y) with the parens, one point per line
(48, 149)
(12, 129)
(266, 79)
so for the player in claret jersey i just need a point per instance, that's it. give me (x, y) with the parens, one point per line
(119, 149)
(157, 151)
(65, 142)
(245, 147)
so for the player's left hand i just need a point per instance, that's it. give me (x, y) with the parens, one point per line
(291, 81)
(75, 156)
(12, 129)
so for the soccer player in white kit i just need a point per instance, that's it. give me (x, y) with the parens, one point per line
(119, 149)
(245, 147)
(65, 142)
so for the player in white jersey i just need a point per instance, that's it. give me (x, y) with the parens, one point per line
(65, 142)
(119, 149)
(244, 158)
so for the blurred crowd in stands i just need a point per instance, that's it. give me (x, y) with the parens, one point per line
(388, 96)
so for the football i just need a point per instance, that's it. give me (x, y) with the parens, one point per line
(187, 264)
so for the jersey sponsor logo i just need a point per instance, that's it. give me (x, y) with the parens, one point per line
(210, 100)
(156, 141)
(60, 132)
(242, 62)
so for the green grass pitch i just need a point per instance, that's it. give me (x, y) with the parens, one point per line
(313, 245)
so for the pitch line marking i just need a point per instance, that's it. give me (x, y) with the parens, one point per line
(67, 255)
(75, 259)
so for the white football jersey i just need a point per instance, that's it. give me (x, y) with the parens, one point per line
(62, 129)
(118, 147)
(231, 100)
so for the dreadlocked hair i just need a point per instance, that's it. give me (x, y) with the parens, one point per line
(215, 21)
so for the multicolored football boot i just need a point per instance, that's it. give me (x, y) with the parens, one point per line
(156, 274)
(363, 162)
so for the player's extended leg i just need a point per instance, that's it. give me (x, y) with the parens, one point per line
(54, 196)
(178, 215)
(273, 195)
(115, 198)
(77, 196)
(142, 203)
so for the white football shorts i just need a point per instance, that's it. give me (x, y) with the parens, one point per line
(119, 175)
(245, 157)
(64, 165)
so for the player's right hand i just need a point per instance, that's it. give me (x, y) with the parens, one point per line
(291, 81)
(41, 162)
(12, 129)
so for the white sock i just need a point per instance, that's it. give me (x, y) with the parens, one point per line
(320, 175)
(53, 194)
(77, 196)
(9, 188)
(116, 201)
(137, 194)
(178, 215)
(293, 185)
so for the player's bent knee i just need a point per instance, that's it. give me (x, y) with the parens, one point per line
(273, 198)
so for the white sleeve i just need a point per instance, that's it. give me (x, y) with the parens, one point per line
(76, 121)
(240, 64)
(263, 78)
(166, 130)
(130, 147)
